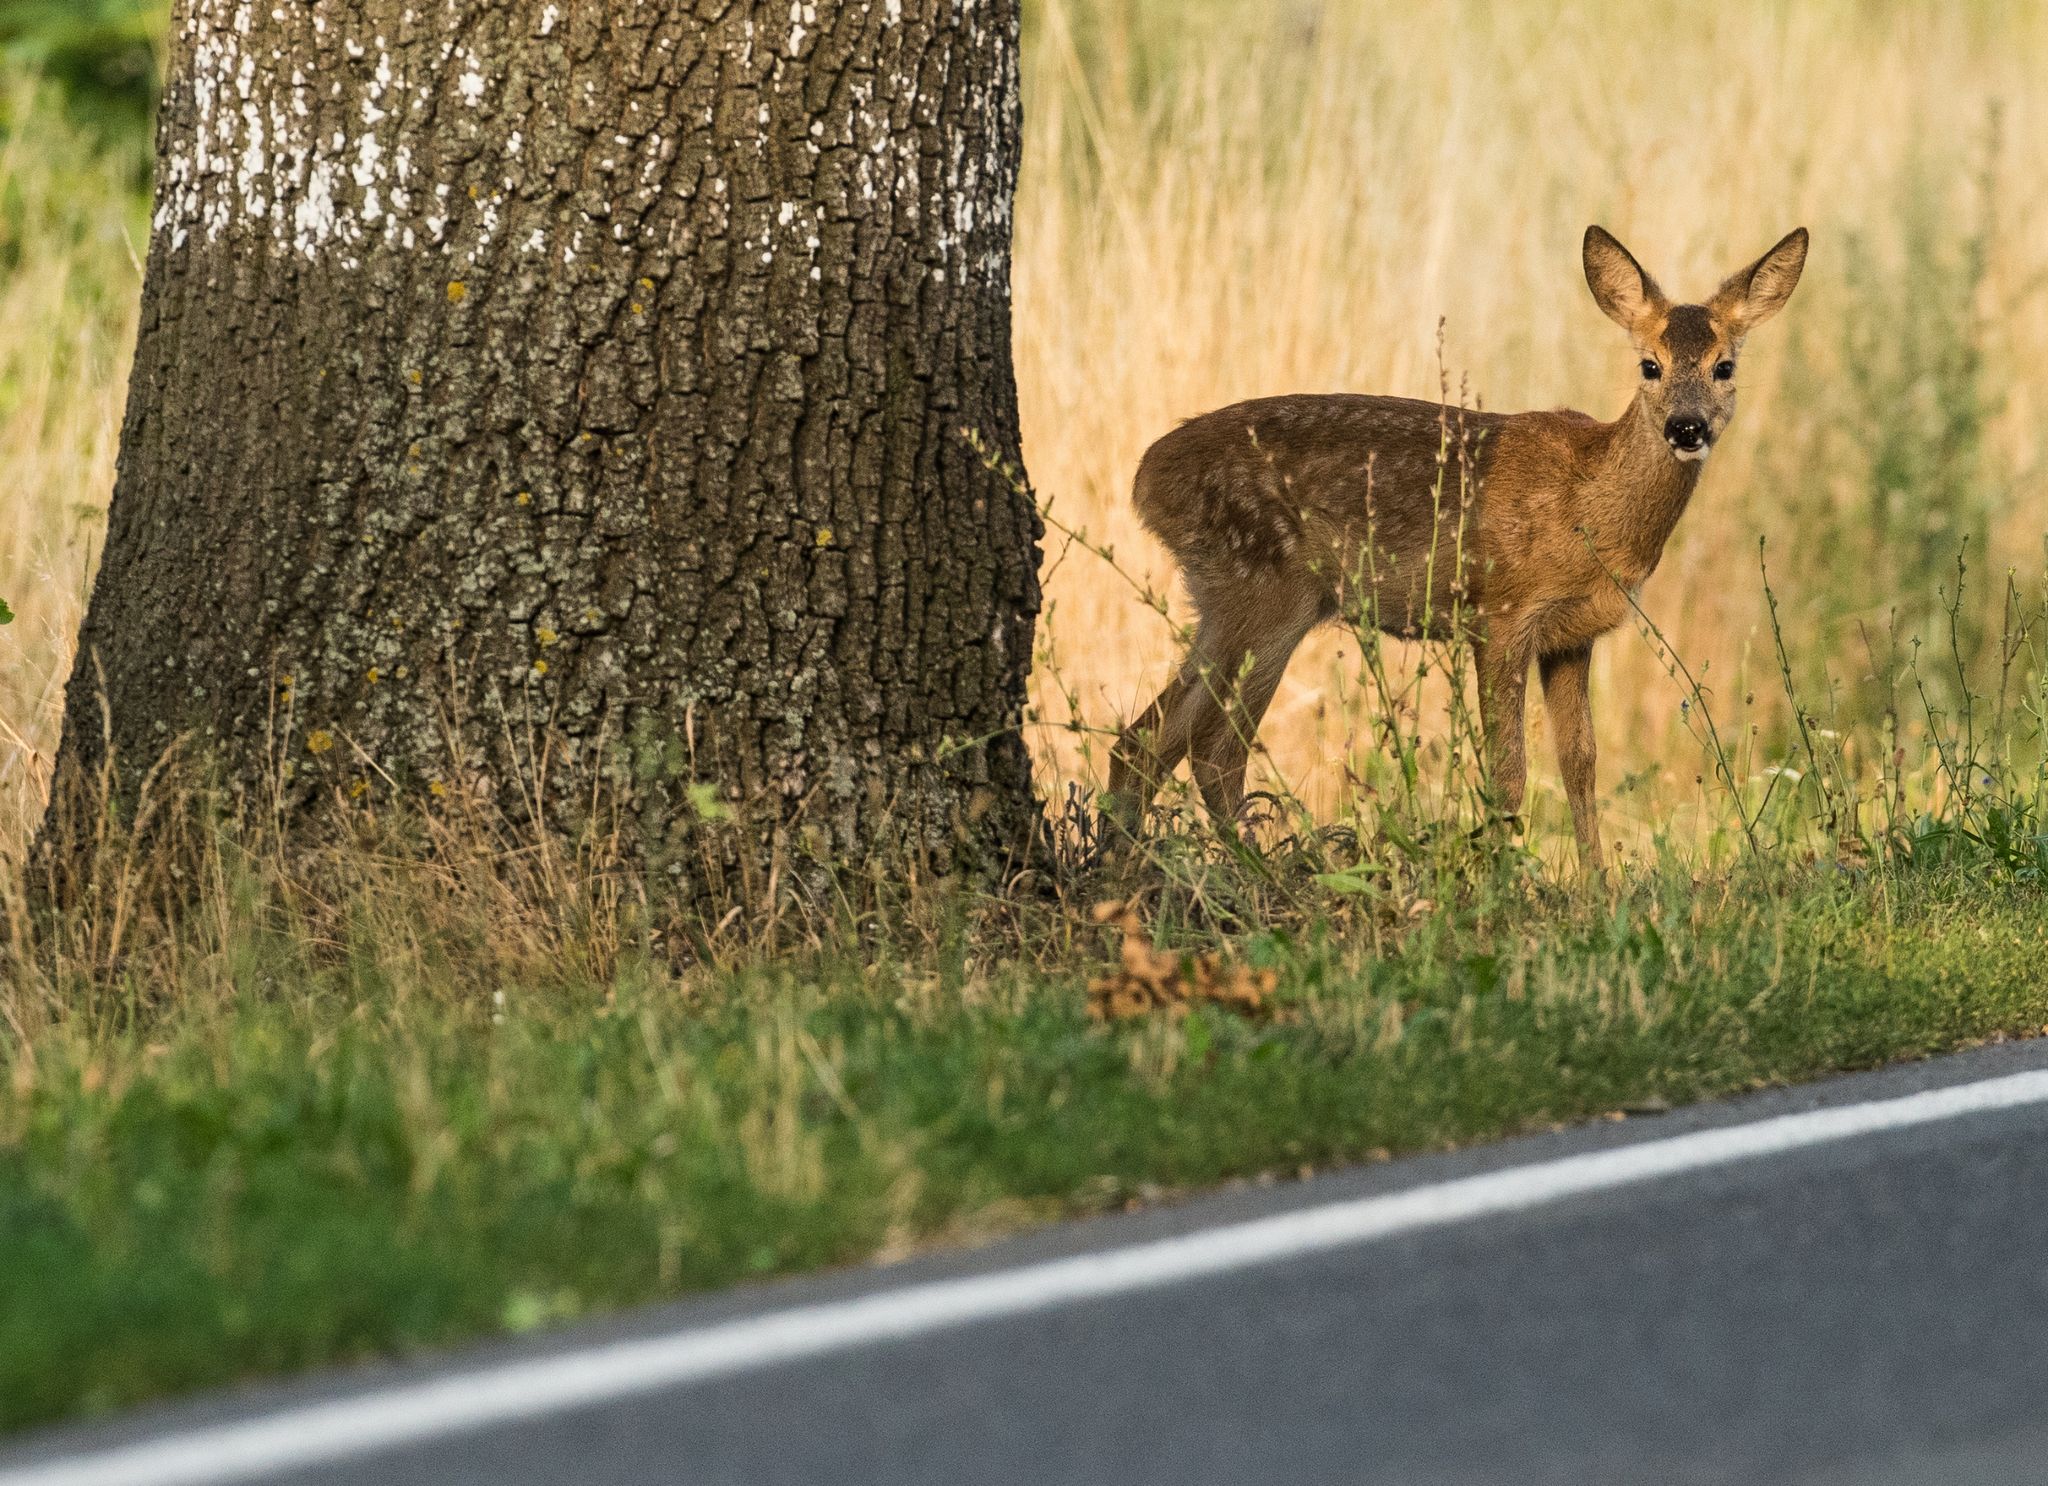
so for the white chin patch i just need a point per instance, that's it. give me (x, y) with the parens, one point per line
(1690, 456)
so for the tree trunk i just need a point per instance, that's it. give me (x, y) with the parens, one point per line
(578, 401)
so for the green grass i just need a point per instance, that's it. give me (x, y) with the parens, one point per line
(308, 1155)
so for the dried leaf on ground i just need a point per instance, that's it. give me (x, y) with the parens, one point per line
(1149, 980)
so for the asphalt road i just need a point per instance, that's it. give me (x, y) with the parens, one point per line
(1870, 1309)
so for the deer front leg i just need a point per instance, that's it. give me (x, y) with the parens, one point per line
(1568, 699)
(1503, 699)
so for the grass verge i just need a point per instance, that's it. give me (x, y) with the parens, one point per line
(332, 1146)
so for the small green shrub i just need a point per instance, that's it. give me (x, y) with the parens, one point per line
(1896, 479)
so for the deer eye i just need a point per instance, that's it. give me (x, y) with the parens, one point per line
(1651, 371)
(1723, 370)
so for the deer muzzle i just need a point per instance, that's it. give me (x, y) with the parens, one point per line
(1687, 435)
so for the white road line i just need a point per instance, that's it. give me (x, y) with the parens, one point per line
(318, 1433)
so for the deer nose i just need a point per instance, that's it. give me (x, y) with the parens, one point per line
(1686, 432)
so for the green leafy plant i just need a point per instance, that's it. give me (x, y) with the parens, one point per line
(102, 53)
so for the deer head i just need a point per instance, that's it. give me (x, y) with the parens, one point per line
(1688, 352)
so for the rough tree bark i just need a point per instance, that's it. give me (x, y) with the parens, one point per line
(566, 399)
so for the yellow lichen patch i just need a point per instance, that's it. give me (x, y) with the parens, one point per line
(524, 498)
(319, 741)
(437, 789)
(824, 536)
(639, 309)
(540, 668)
(457, 292)
(373, 675)
(546, 636)
(413, 377)
(358, 789)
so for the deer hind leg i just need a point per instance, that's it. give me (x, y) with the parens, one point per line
(1229, 701)
(1149, 749)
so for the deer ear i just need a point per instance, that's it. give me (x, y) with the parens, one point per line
(1625, 294)
(1759, 291)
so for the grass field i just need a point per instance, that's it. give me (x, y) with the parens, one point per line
(1228, 200)
(392, 1096)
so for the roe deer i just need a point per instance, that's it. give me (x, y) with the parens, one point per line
(1281, 510)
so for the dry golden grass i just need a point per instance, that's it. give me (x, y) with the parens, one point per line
(1229, 200)
(68, 289)
(1226, 198)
